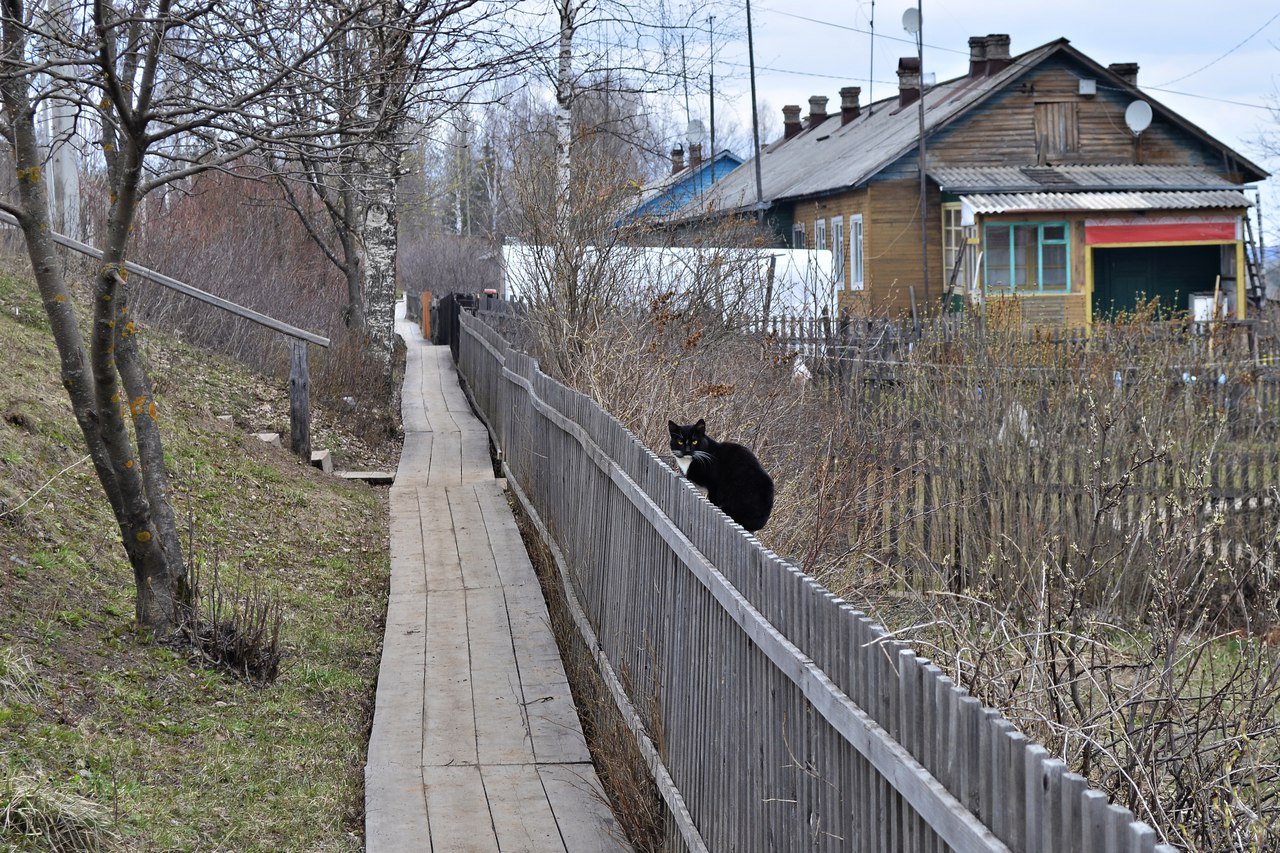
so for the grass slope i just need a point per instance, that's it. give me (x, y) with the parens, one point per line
(175, 756)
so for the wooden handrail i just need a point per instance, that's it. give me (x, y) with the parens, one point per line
(184, 288)
(299, 374)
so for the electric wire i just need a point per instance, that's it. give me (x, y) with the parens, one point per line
(1246, 40)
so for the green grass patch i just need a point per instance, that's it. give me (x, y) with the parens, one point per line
(132, 743)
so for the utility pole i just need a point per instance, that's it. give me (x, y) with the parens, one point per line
(755, 120)
(711, 29)
(916, 27)
(59, 127)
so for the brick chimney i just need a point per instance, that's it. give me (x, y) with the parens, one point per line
(677, 159)
(977, 56)
(695, 155)
(849, 106)
(998, 57)
(817, 110)
(1126, 71)
(791, 121)
(908, 80)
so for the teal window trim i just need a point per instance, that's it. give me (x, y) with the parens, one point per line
(1041, 242)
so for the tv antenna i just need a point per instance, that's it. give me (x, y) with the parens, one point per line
(871, 62)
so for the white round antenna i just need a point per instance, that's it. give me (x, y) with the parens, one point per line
(911, 20)
(695, 131)
(1138, 116)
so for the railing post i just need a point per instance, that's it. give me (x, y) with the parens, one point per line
(300, 401)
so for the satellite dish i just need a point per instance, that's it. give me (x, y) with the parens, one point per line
(911, 20)
(695, 131)
(1138, 116)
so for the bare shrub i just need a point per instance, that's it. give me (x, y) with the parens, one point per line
(445, 263)
(235, 627)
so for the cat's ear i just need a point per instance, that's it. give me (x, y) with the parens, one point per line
(673, 426)
(701, 425)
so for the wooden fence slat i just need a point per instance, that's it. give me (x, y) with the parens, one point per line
(785, 717)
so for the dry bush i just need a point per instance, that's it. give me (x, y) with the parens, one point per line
(236, 238)
(1084, 535)
(234, 627)
(36, 815)
(445, 263)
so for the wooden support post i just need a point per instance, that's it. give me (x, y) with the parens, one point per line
(300, 401)
(426, 315)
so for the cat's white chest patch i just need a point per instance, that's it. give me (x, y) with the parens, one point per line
(684, 462)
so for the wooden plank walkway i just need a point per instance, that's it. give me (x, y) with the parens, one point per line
(476, 744)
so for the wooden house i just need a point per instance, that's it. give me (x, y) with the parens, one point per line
(1035, 185)
(685, 183)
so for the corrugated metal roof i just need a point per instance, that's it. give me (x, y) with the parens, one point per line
(832, 156)
(1076, 201)
(1075, 178)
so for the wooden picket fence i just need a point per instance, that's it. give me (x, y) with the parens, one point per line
(941, 511)
(774, 716)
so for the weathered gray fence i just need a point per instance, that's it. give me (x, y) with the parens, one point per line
(777, 716)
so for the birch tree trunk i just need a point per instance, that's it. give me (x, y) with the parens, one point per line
(377, 241)
(59, 126)
(564, 101)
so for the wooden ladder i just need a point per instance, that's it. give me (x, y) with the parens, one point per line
(1255, 283)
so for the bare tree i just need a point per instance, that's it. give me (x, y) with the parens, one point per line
(170, 88)
(396, 67)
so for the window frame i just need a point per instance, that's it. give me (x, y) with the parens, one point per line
(837, 250)
(856, 272)
(962, 233)
(797, 235)
(1039, 286)
(820, 235)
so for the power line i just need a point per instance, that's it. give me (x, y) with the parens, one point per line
(1247, 39)
(852, 29)
(845, 77)
(1159, 88)
(1194, 95)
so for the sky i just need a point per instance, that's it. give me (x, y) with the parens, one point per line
(1216, 63)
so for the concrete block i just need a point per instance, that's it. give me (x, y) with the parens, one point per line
(271, 438)
(323, 460)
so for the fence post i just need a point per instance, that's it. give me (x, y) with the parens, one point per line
(300, 401)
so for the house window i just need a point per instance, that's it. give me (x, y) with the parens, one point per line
(1027, 257)
(837, 251)
(820, 235)
(1057, 130)
(856, 276)
(797, 236)
(955, 246)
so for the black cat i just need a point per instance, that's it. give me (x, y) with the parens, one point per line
(729, 472)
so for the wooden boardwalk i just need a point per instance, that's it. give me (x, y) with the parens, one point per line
(476, 744)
